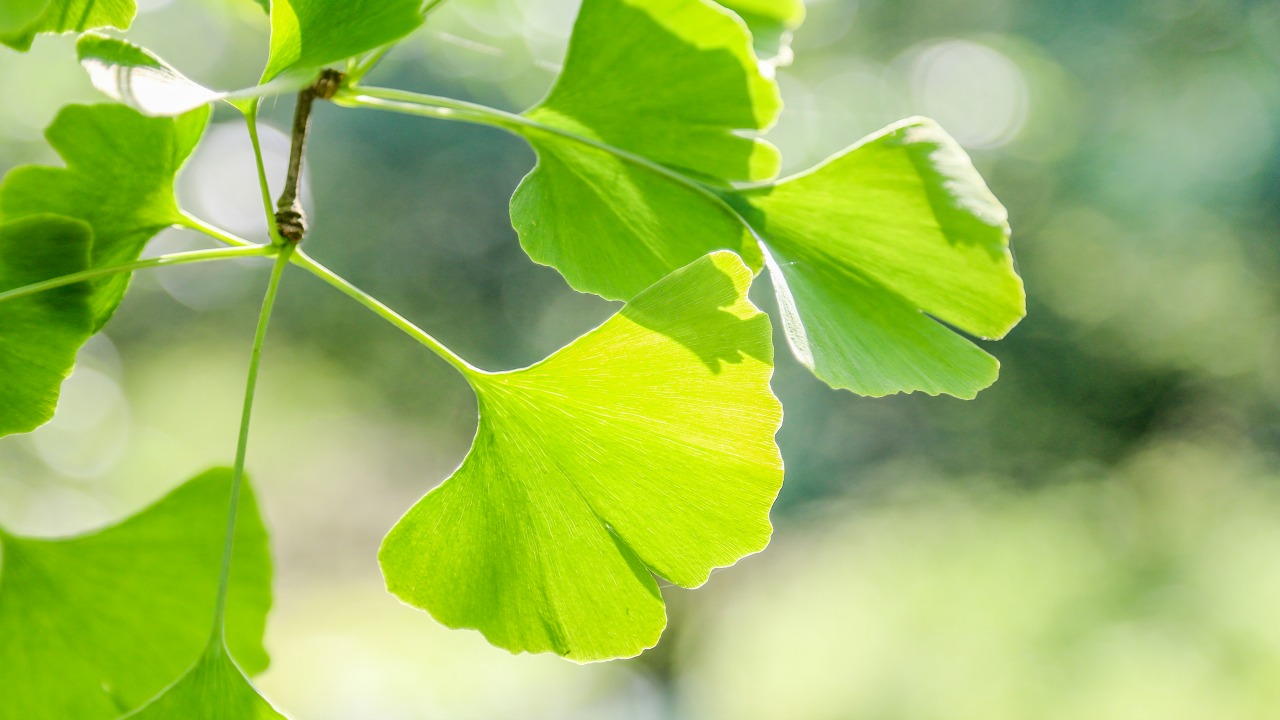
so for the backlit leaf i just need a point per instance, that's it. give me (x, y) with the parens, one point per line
(144, 82)
(61, 16)
(40, 334)
(680, 89)
(119, 175)
(308, 34)
(873, 245)
(138, 78)
(613, 227)
(646, 446)
(96, 625)
(214, 689)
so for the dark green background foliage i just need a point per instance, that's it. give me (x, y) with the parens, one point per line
(1098, 532)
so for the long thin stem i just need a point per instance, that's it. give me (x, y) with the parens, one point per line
(191, 222)
(443, 108)
(182, 258)
(381, 310)
(242, 445)
(251, 119)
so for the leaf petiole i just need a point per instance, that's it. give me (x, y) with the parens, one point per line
(192, 222)
(302, 260)
(242, 444)
(251, 120)
(182, 258)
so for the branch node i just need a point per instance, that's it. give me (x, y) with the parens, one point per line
(290, 219)
(328, 84)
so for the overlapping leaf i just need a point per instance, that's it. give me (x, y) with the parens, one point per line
(40, 334)
(214, 689)
(94, 626)
(870, 244)
(20, 23)
(140, 79)
(15, 15)
(678, 89)
(119, 175)
(629, 186)
(308, 34)
(646, 446)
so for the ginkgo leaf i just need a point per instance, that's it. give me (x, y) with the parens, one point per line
(15, 15)
(213, 689)
(40, 334)
(680, 89)
(61, 16)
(608, 224)
(119, 179)
(140, 79)
(872, 246)
(94, 626)
(645, 446)
(771, 23)
(307, 34)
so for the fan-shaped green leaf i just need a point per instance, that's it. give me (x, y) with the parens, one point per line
(61, 16)
(94, 626)
(680, 87)
(214, 689)
(680, 90)
(119, 179)
(644, 446)
(870, 244)
(40, 334)
(612, 226)
(307, 34)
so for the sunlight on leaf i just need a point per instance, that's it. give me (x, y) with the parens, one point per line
(63, 16)
(872, 245)
(677, 90)
(606, 223)
(96, 625)
(40, 334)
(308, 34)
(119, 179)
(645, 446)
(214, 689)
(140, 79)
(679, 87)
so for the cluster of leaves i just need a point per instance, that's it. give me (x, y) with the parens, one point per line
(644, 448)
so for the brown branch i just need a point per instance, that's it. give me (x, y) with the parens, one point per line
(290, 219)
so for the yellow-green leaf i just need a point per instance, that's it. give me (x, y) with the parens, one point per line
(62, 16)
(40, 334)
(119, 176)
(96, 625)
(645, 447)
(874, 247)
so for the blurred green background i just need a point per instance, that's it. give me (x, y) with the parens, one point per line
(1098, 536)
